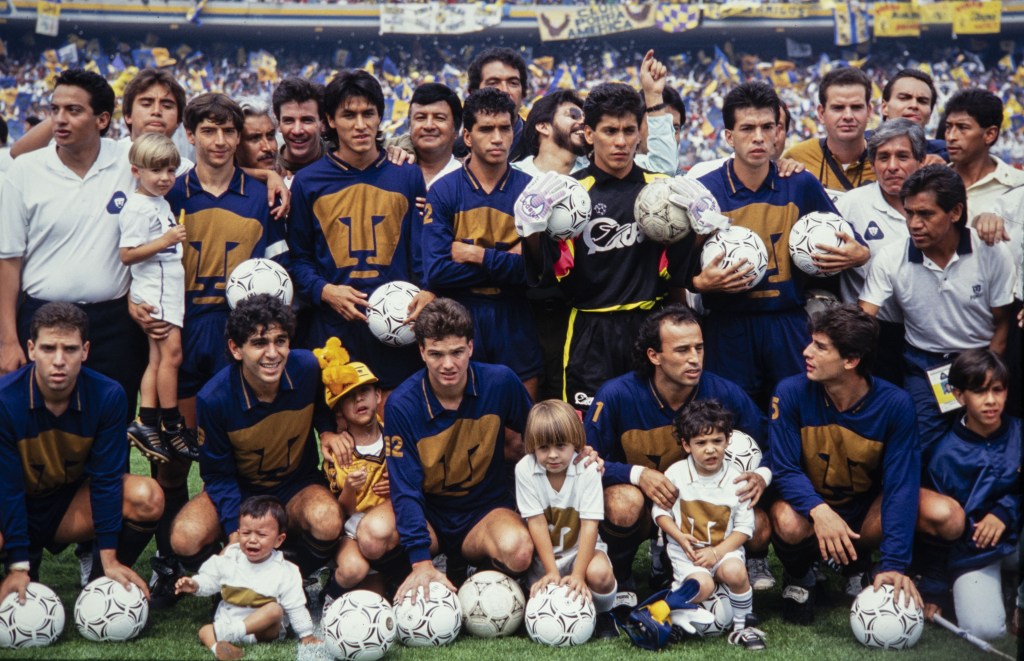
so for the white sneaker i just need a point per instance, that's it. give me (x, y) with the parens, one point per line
(854, 584)
(760, 575)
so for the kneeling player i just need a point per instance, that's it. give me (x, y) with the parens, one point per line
(562, 503)
(709, 524)
(62, 459)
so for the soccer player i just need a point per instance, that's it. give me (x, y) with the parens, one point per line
(297, 105)
(63, 456)
(258, 418)
(471, 251)
(445, 433)
(953, 290)
(755, 335)
(840, 159)
(630, 426)
(503, 69)
(847, 464)
(435, 119)
(355, 226)
(258, 145)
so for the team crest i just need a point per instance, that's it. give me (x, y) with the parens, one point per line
(874, 232)
(116, 202)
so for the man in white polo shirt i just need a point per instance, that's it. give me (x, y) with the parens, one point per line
(896, 151)
(954, 290)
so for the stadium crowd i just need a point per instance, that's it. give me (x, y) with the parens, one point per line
(890, 451)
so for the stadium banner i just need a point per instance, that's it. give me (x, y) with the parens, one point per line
(977, 17)
(677, 18)
(593, 20)
(438, 18)
(851, 25)
(48, 17)
(896, 20)
(936, 13)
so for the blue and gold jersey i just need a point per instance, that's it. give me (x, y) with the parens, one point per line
(354, 227)
(629, 424)
(448, 467)
(846, 458)
(770, 212)
(248, 447)
(459, 209)
(41, 453)
(223, 231)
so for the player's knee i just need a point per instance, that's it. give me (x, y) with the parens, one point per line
(350, 572)
(274, 611)
(324, 518)
(733, 573)
(941, 516)
(375, 538)
(186, 537)
(762, 533)
(600, 576)
(789, 526)
(515, 549)
(707, 585)
(143, 499)
(623, 505)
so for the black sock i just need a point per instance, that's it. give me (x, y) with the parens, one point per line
(193, 562)
(623, 541)
(333, 589)
(929, 561)
(149, 416)
(312, 554)
(175, 498)
(797, 559)
(760, 554)
(393, 564)
(132, 541)
(171, 417)
(499, 566)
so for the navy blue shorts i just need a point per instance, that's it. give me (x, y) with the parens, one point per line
(453, 532)
(204, 351)
(391, 365)
(45, 514)
(505, 334)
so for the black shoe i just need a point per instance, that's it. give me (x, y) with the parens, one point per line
(750, 638)
(166, 572)
(147, 439)
(798, 604)
(605, 627)
(181, 440)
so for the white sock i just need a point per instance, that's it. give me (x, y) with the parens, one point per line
(213, 648)
(604, 602)
(229, 631)
(742, 605)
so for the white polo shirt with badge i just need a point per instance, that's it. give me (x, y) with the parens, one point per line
(983, 195)
(945, 310)
(65, 227)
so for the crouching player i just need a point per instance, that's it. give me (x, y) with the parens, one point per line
(259, 589)
(709, 524)
(978, 464)
(562, 502)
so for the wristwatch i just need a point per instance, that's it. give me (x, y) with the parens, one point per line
(656, 108)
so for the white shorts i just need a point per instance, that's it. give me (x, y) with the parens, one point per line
(352, 523)
(231, 613)
(683, 567)
(162, 285)
(564, 561)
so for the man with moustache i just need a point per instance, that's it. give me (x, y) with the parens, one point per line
(258, 145)
(435, 119)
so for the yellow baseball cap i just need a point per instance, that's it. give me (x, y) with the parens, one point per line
(344, 379)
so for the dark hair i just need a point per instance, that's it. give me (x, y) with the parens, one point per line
(786, 116)
(983, 106)
(101, 94)
(672, 97)
(543, 112)
(612, 100)
(941, 180)
(298, 90)
(853, 332)
(348, 84)
(32, 120)
(487, 101)
(213, 107)
(429, 93)
(256, 312)
(146, 79)
(842, 77)
(503, 55)
(895, 128)
(649, 335)
(916, 74)
(754, 94)
(58, 314)
(258, 507)
(970, 370)
(443, 318)
(3, 131)
(701, 417)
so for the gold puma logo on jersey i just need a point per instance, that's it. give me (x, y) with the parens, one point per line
(564, 526)
(653, 448)
(486, 227)
(271, 449)
(218, 241)
(457, 459)
(706, 521)
(362, 225)
(839, 462)
(52, 459)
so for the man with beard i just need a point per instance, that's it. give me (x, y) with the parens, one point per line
(553, 136)
(258, 146)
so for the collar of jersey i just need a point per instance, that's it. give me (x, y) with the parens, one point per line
(347, 167)
(970, 436)
(735, 184)
(247, 396)
(636, 174)
(475, 183)
(107, 156)
(696, 477)
(35, 396)
(857, 406)
(963, 247)
(662, 403)
(431, 401)
(195, 187)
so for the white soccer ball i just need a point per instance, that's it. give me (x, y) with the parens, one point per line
(430, 621)
(258, 276)
(659, 219)
(570, 216)
(743, 451)
(737, 243)
(492, 604)
(36, 623)
(359, 626)
(106, 611)
(554, 619)
(880, 621)
(389, 308)
(720, 607)
(812, 229)
(818, 300)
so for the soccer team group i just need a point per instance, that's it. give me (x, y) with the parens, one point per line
(114, 257)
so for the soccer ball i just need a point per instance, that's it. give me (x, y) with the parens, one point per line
(737, 243)
(571, 215)
(743, 451)
(430, 621)
(106, 611)
(258, 276)
(880, 621)
(812, 229)
(493, 604)
(717, 604)
(359, 626)
(389, 308)
(659, 219)
(818, 300)
(552, 618)
(37, 623)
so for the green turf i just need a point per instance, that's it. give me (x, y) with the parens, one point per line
(171, 635)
